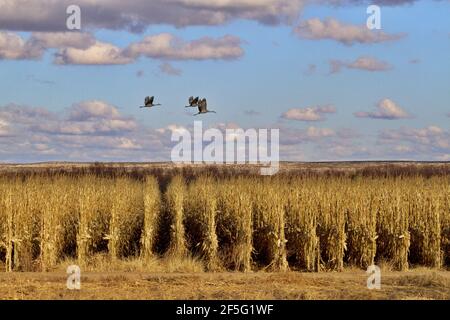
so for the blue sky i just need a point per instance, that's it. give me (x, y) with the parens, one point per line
(281, 77)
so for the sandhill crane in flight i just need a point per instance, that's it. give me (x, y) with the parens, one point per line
(203, 107)
(149, 102)
(193, 102)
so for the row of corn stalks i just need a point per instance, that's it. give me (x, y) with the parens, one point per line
(240, 223)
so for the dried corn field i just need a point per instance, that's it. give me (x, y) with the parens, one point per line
(240, 223)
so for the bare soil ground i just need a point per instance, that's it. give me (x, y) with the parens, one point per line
(350, 284)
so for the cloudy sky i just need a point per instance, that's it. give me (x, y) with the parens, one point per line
(334, 88)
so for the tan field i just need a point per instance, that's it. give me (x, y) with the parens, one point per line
(349, 284)
(159, 231)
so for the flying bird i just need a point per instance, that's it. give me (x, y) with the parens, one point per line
(193, 102)
(203, 107)
(149, 102)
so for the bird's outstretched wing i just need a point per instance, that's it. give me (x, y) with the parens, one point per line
(152, 99)
(195, 101)
(147, 101)
(191, 100)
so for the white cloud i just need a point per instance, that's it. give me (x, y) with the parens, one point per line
(97, 131)
(14, 47)
(168, 69)
(431, 142)
(100, 127)
(362, 63)
(77, 40)
(169, 47)
(403, 149)
(87, 118)
(323, 144)
(98, 54)
(16, 114)
(291, 136)
(128, 144)
(387, 110)
(317, 133)
(308, 114)
(348, 34)
(369, 64)
(344, 151)
(136, 15)
(94, 109)
(370, 2)
(173, 129)
(4, 127)
(83, 49)
(90, 130)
